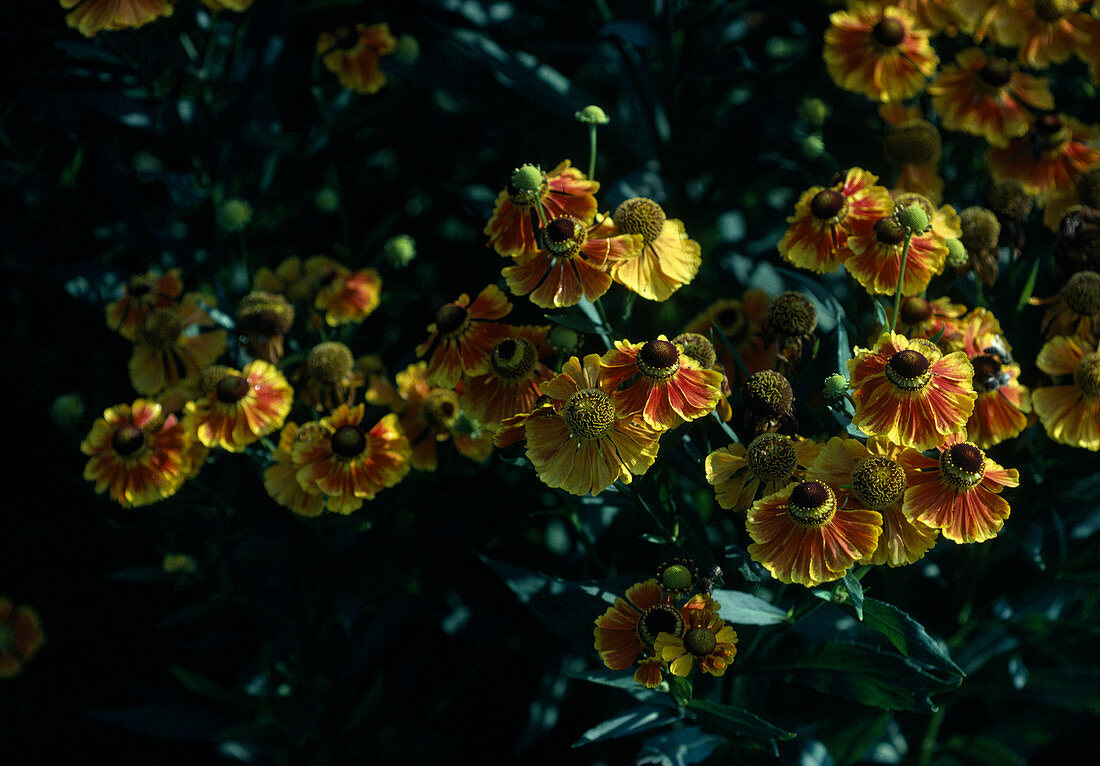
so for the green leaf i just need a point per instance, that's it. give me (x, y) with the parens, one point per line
(865, 674)
(855, 592)
(681, 689)
(621, 679)
(742, 609)
(740, 722)
(908, 636)
(1029, 285)
(977, 751)
(880, 315)
(637, 720)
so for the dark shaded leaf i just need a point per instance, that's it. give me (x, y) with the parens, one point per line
(908, 636)
(683, 746)
(740, 722)
(977, 751)
(623, 679)
(637, 720)
(855, 592)
(742, 609)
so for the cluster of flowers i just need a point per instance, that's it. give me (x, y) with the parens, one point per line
(352, 54)
(648, 624)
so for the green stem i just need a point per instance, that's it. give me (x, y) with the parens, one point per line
(244, 256)
(928, 744)
(901, 279)
(592, 152)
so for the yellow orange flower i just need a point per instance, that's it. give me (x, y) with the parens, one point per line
(165, 354)
(142, 294)
(999, 19)
(580, 441)
(988, 96)
(920, 318)
(227, 5)
(741, 324)
(97, 15)
(1000, 411)
(802, 534)
(933, 15)
(909, 392)
(349, 296)
(1046, 31)
(512, 383)
(296, 279)
(352, 55)
(875, 259)
(137, 454)
(706, 639)
(1054, 152)
(667, 259)
(572, 266)
(240, 407)
(771, 461)
(563, 191)
(670, 387)
(877, 482)
(463, 336)
(629, 627)
(1070, 413)
(348, 463)
(824, 218)
(21, 637)
(880, 53)
(959, 493)
(280, 478)
(1075, 309)
(429, 416)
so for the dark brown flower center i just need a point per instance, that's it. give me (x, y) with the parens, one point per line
(564, 236)
(127, 439)
(231, 388)
(1087, 375)
(659, 619)
(812, 504)
(962, 465)
(826, 204)
(440, 408)
(1051, 132)
(889, 232)
(987, 372)
(915, 310)
(513, 359)
(640, 215)
(889, 32)
(731, 321)
(909, 370)
(792, 314)
(700, 641)
(138, 289)
(449, 318)
(697, 347)
(767, 393)
(1051, 11)
(162, 328)
(346, 38)
(1082, 292)
(348, 441)
(658, 359)
(996, 72)
(330, 362)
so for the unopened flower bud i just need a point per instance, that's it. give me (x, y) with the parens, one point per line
(914, 219)
(835, 386)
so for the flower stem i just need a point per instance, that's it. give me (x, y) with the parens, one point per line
(901, 279)
(592, 152)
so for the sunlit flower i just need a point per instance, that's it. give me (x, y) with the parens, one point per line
(1049, 157)
(771, 461)
(463, 336)
(699, 348)
(875, 259)
(959, 493)
(668, 388)
(824, 218)
(562, 191)
(138, 454)
(801, 534)
(512, 383)
(1000, 411)
(352, 55)
(348, 463)
(21, 637)
(920, 318)
(988, 96)
(349, 296)
(573, 265)
(429, 416)
(667, 260)
(880, 53)
(738, 325)
(909, 392)
(239, 407)
(166, 354)
(91, 16)
(1070, 413)
(706, 639)
(580, 442)
(1075, 309)
(630, 626)
(876, 481)
(280, 478)
(142, 294)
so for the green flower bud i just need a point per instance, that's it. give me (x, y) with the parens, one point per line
(592, 115)
(327, 200)
(956, 254)
(914, 219)
(527, 178)
(234, 214)
(835, 386)
(813, 110)
(400, 250)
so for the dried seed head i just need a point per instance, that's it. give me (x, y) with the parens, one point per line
(640, 215)
(916, 142)
(792, 314)
(329, 363)
(767, 394)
